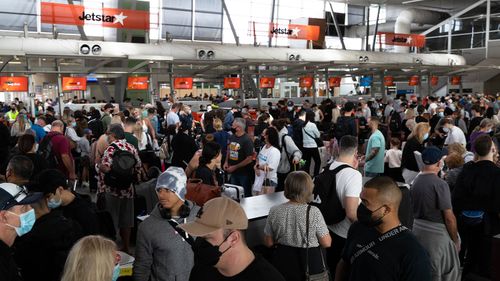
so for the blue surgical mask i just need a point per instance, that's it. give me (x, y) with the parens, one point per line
(426, 136)
(441, 114)
(116, 272)
(27, 220)
(145, 113)
(54, 204)
(73, 124)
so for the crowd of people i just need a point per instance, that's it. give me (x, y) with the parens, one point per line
(401, 188)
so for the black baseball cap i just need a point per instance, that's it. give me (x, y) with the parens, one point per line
(431, 155)
(12, 195)
(108, 105)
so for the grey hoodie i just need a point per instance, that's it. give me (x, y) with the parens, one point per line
(161, 253)
(291, 148)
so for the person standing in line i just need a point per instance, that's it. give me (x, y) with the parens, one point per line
(375, 150)
(378, 246)
(240, 157)
(310, 132)
(435, 225)
(220, 250)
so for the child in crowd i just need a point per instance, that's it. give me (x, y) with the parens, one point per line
(393, 161)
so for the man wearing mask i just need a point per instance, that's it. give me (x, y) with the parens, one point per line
(220, 251)
(106, 117)
(375, 150)
(41, 253)
(186, 117)
(378, 247)
(435, 225)
(71, 204)
(240, 156)
(16, 219)
(454, 133)
(229, 118)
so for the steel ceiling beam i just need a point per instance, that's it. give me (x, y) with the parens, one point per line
(138, 66)
(101, 64)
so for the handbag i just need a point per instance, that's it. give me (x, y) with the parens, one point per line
(323, 276)
(200, 193)
(319, 141)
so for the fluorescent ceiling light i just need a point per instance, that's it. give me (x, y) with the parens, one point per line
(411, 1)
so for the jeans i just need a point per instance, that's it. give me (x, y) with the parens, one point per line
(242, 180)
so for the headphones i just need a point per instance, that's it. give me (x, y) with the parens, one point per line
(184, 211)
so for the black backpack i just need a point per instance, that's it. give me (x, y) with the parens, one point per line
(122, 173)
(97, 128)
(326, 197)
(45, 150)
(342, 127)
(396, 123)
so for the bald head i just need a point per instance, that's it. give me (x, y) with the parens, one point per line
(383, 191)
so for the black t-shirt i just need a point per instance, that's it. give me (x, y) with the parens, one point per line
(239, 149)
(258, 270)
(205, 174)
(8, 268)
(474, 123)
(397, 258)
(421, 119)
(82, 212)
(408, 160)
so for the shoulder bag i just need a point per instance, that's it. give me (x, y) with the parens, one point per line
(323, 276)
(319, 141)
(199, 193)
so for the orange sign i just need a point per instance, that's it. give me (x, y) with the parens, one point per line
(267, 82)
(183, 83)
(55, 13)
(295, 31)
(232, 82)
(306, 82)
(388, 81)
(74, 84)
(137, 83)
(456, 80)
(13, 84)
(414, 81)
(434, 80)
(334, 82)
(400, 39)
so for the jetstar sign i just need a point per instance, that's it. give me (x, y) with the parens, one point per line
(295, 31)
(399, 39)
(54, 13)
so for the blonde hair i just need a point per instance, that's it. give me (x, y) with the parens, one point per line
(138, 132)
(419, 131)
(298, 187)
(217, 124)
(92, 258)
(456, 148)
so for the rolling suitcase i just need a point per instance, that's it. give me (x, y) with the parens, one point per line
(232, 191)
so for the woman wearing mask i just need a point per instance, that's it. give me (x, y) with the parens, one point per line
(485, 127)
(210, 161)
(286, 229)
(221, 137)
(415, 143)
(21, 124)
(92, 258)
(268, 160)
(163, 250)
(145, 124)
(318, 114)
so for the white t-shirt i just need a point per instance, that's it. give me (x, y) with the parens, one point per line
(432, 108)
(349, 183)
(393, 157)
(270, 156)
(455, 136)
(172, 118)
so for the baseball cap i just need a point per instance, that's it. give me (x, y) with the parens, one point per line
(109, 105)
(431, 155)
(173, 179)
(12, 195)
(217, 213)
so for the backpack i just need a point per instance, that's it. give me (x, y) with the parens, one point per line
(122, 173)
(97, 128)
(45, 150)
(326, 197)
(395, 124)
(342, 127)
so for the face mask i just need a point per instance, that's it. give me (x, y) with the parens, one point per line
(446, 130)
(144, 113)
(365, 216)
(73, 124)
(116, 272)
(290, 108)
(233, 130)
(27, 220)
(489, 131)
(426, 136)
(441, 114)
(206, 253)
(54, 204)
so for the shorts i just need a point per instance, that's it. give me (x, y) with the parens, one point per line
(121, 210)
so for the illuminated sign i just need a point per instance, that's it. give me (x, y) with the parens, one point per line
(137, 83)
(267, 82)
(14, 84)
(306, 82)
(334, 82)
(232, 83)
(400, 39)
(295, 31)
(183, 83)
(74, 84)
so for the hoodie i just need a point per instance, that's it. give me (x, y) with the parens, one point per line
(161, 253)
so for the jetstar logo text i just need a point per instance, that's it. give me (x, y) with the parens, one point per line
(55, 13)
(398, 39)
(281, 31)
(295, 31)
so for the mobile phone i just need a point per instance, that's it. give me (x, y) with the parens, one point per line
(74, 185)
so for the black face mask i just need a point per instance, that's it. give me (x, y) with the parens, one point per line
(365, 216)
(233, 130)
(206, 253)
